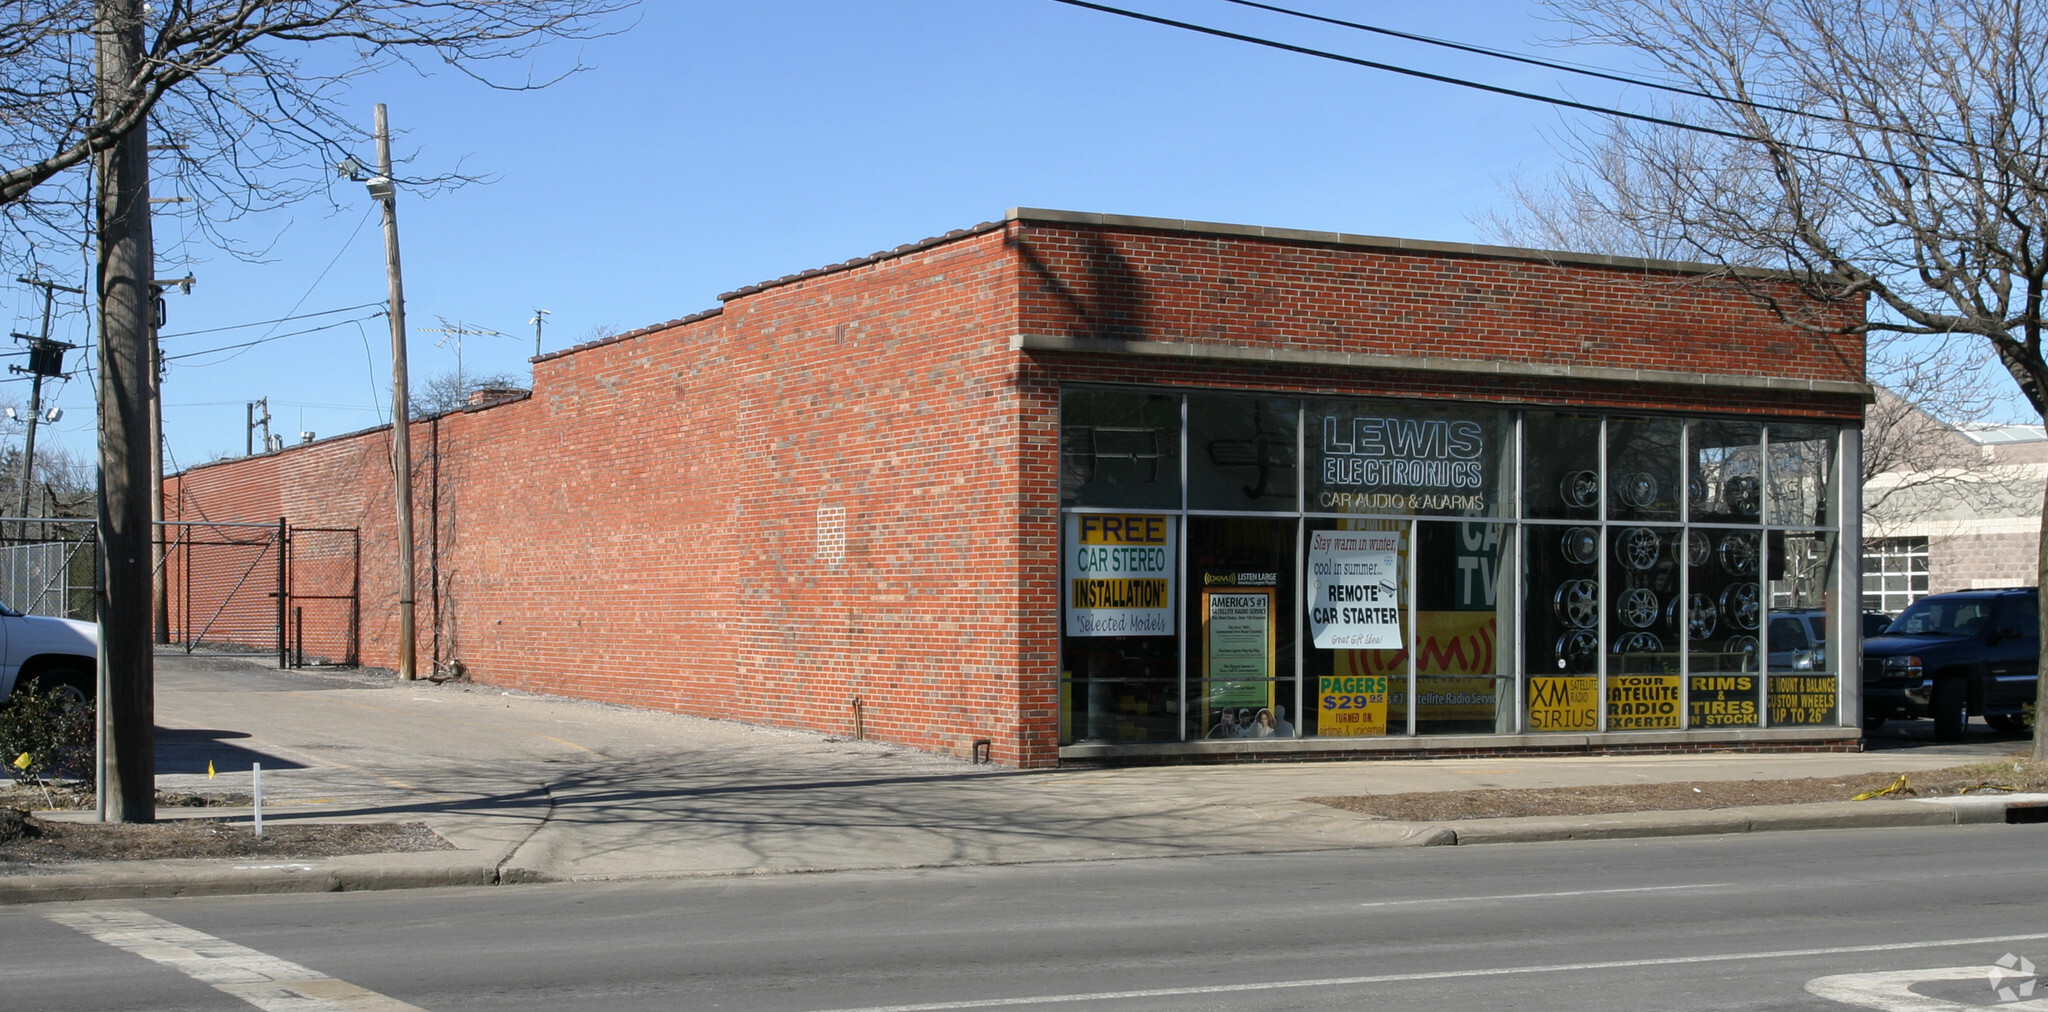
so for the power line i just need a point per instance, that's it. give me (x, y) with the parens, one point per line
(265, 339)
(1495, 89)
(1568, 68)
(1498, 54)
(267, 323)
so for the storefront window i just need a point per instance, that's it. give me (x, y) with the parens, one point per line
(1357, 654)
(1724, 473)
(1803, 671)
(1562, 626)
(1561, 466)
(1461, 604)
(1119, 448)
(1241, 620)
(1727, 597)
(1118, 588)
(1241, 453)
(1643, 469)
(1241, 566)
(1802, 473)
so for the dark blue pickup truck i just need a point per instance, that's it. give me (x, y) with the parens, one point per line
(1948, 656)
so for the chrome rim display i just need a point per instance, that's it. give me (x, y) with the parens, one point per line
(1638, 607)
(1639, 548)
(1739, 554)
(1742, 603)
(1580, 489)
(1581, 546)
(1577, 603)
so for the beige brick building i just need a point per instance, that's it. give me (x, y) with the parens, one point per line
(1954, 508)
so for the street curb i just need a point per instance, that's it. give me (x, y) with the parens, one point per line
(539, 860)
(267, 879)
(1752, 819)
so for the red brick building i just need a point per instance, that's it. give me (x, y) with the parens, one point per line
(1099, 488)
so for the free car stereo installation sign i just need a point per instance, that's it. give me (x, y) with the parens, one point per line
(1119, 574)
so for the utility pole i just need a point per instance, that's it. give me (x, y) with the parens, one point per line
(259, 418)
(536, 321)
(127, 689)
(45, 358)
(385, 192)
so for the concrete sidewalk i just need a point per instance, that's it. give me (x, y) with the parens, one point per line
(534, 789)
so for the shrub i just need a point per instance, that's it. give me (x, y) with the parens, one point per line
(53, 729)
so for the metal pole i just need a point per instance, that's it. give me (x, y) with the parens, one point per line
(159, 571)
(401, 435)
(284, 583)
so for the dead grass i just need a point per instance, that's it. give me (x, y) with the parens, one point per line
(29, 843)
(1998, 777)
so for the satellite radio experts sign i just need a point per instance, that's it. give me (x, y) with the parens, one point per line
(1119, 574)
(1354, 589)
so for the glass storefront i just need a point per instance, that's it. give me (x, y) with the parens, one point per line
(1253, 566)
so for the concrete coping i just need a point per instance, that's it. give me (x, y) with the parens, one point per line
(1489, 368)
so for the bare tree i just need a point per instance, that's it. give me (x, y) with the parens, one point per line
(452, 391)
(242, 99)
(1894, 151)
(245, 96)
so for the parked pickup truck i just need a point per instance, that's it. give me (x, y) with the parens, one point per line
(1948, 656)
(56, 652)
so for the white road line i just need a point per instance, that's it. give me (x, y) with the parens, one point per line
(267, 982)
(1891, 990)
(1393, 978)
(1447, 900)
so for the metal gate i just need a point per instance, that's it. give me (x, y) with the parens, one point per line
(241, 588)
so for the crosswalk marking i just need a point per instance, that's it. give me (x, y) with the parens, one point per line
(262, 980)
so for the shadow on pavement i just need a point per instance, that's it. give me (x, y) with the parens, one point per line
(188, 750)
(1917, 736)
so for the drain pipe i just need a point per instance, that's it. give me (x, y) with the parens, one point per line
(859, 727)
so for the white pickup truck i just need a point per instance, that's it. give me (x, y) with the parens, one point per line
(55, 652)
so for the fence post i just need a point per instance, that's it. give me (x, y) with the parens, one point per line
(283, 587)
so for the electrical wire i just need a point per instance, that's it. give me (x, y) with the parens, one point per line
(266, 323)
(1585, 71)
(265, 339)
(1498, 54)
(1494, 89)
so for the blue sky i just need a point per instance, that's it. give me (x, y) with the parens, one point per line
(716, 143)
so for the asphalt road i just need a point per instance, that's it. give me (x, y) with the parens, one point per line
(1741, 922)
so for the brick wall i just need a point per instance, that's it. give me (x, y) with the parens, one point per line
(644, 528)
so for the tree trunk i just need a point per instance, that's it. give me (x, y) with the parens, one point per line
(127, 700)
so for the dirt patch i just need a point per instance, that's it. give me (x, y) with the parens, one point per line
(2002, 777)
(29, 843)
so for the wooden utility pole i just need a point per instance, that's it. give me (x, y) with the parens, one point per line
(127, 689)
(385, 192)
(45, 358)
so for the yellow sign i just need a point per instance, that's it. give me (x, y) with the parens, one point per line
(1803, 699)
(1351, 705)
(1564, 704)
(1642, 702)
(1723, 701)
